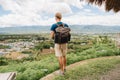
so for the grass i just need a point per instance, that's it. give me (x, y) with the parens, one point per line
(92, 70)
(34, 70)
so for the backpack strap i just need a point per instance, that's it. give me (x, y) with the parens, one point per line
(59, 25)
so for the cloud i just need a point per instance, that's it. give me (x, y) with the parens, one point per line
(30, 12)
(21, 6)
(109, 20)
(41, 12)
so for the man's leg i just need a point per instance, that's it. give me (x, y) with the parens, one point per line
(61, 63)
(64, 52)
(64, 62)
(59, 56)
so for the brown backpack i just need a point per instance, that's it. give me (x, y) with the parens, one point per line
(62, 34)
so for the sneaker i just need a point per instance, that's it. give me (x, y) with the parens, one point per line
(64, 70)
(61, 73)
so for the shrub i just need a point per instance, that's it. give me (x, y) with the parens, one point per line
(26, 52)
(4, 47)
(116, 52)
(3, 61)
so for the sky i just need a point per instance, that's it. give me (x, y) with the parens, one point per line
(15, 13)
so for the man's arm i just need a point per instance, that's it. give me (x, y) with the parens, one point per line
(52, 34)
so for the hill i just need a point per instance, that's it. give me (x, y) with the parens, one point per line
(46, 29)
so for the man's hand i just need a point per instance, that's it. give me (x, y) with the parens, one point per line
(52, 34)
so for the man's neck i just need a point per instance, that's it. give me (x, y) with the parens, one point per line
(58, 20)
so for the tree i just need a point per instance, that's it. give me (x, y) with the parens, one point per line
(109, 4)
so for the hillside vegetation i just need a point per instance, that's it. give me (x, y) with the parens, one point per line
(37, 65)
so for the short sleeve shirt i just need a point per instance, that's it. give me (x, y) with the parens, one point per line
(54, 26)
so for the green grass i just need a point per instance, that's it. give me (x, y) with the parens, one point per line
(90, 71)
(34, 70)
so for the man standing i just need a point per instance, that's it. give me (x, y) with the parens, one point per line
(60, 48)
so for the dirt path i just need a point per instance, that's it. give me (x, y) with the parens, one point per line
(110, 74)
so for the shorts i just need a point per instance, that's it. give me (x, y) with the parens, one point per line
(60, 49)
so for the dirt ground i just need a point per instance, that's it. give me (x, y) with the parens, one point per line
(16, 55)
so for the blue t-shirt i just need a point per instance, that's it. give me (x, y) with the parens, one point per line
(54, 26)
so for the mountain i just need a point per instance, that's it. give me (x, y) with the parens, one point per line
(25, 29)
(46, 29)
(95, 29)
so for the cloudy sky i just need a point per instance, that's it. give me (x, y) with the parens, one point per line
(41, 12)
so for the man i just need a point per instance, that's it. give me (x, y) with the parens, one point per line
(60, 49)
